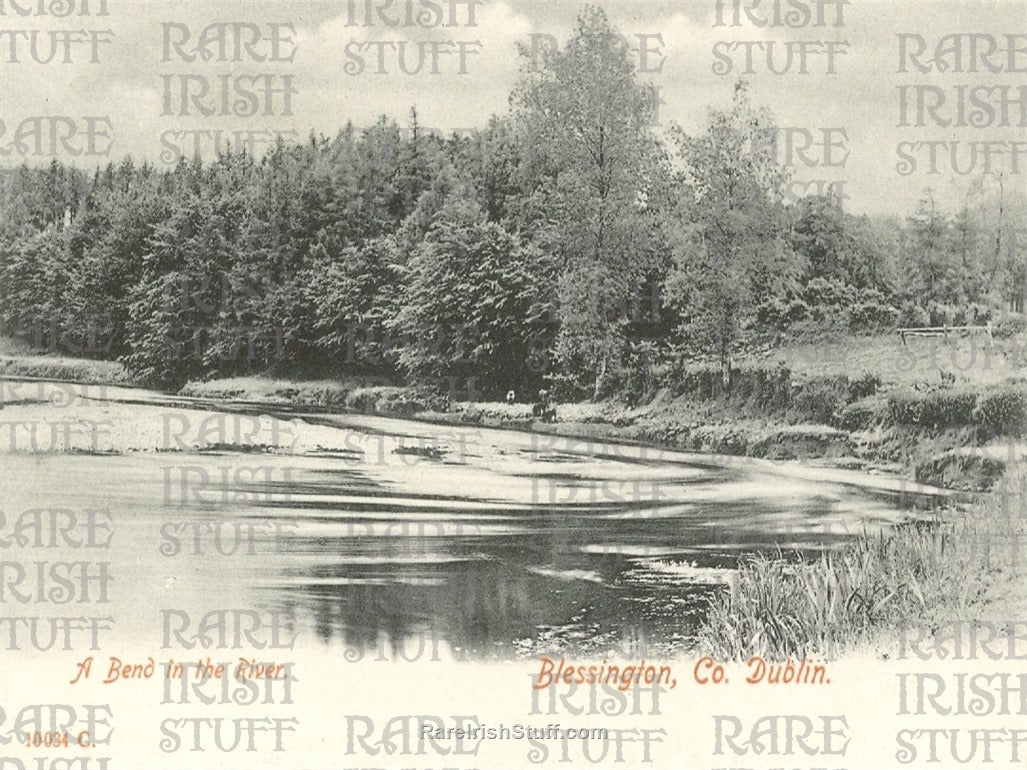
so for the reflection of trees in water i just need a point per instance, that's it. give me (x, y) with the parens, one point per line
(395, 581)
(493, 590)
(473, 606)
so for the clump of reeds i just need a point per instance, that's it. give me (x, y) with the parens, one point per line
(924, 571)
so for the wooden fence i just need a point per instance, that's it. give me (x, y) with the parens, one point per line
(943, 331)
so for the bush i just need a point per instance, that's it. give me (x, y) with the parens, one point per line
(872, 314)
(763, 389)
(936, 409)
(782, 312)
(390, 400)
(1003, 412)
(940, 314)
(769, 390)
(1010, 326)
(637, 379)
(702, 382)
(824, 399)
(823, 292)
(569, 389)
(313, 393)
(864, 385)
(820, 400)
(830, 304)
(911, 314)
(766, 389)
(863, 414)
(66, 369)
(965, 469)
(969, 314)
(802, 441)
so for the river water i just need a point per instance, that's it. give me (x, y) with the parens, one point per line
(377, 535)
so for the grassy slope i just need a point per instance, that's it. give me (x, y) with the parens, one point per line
(955, 457)
(920, 360)
(16, 361)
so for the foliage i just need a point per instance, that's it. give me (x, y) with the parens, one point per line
(820, 399)
(592, 173)
(1010, 326)
(730, 252)
(470, 306)
(934, 409)
(863, 414)
(780, 607)
(830, 304)
(550, 247)
(1003, 411)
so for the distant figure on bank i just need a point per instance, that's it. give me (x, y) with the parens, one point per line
(511, 397)
(543, 409)
(727, 368)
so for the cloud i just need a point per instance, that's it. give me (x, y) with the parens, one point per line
(128, 82)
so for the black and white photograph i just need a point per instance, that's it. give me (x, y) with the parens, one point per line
(418, 384)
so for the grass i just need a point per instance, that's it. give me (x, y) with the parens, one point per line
(80, 370)
(264, 389)
(922, 359)
(354, 394)
(932, 571)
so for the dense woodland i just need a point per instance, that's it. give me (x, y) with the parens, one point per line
(565, 244)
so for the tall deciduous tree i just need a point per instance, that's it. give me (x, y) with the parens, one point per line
(590, 169)
(731, 250)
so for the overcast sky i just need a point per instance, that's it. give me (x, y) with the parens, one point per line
(131, 84)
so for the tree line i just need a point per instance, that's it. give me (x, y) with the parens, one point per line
(565, 244)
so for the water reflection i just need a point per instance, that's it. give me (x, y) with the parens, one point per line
(506, 545)
(393, 575)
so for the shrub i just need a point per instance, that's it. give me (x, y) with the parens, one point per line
(950, 408)
(872, 314)
(68, 369)
(823, 292)
(824, 399)
(569, 388)
(393, 400)
(760, 388)
(970, 470)
(830, 304)
(637, 379)
(820, 399)
(863, 414)
(941, 314)
(699, 381)
(782, 312)
(1003, 412)
(911, 314)
(1010, 326)
(802, 441)
(864, 385)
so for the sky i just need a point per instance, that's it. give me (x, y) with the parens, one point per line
(858, 87)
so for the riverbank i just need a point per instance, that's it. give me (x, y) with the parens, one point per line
(950, 413)
(963, 570)
(64, 369)
(946, 412)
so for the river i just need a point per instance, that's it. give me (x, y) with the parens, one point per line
(372, 534)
